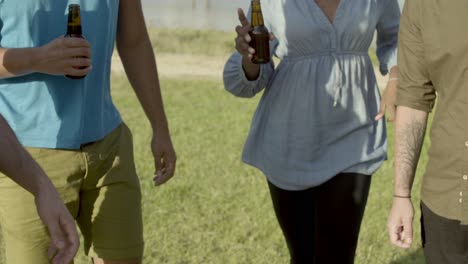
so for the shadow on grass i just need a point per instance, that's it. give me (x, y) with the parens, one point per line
(415, 257)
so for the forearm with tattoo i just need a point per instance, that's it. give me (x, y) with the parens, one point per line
(410, 129)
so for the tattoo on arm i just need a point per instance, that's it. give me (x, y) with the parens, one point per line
(409, 145)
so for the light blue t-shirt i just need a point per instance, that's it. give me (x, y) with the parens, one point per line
(54, 111)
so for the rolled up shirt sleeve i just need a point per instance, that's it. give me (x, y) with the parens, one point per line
(415, 88)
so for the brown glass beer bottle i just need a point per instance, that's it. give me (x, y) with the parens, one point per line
(259, 35)
(74, 29)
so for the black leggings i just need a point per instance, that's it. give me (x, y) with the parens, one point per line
(321, 224)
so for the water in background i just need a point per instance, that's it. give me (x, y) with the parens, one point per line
(198, 14)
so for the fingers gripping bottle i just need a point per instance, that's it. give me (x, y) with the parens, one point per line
(74, 29)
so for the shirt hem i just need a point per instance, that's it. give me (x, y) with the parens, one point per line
(288, 186)
(66, 144)
(414, 105)
(436, 211)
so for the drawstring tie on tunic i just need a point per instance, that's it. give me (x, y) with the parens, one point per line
(338, 81)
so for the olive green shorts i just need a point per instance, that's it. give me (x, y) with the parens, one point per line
(99, 185)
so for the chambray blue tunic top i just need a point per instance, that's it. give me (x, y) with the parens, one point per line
(53, 111)
(316, 116)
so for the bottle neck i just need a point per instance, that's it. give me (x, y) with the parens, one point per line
(257, 16)
(74, 21)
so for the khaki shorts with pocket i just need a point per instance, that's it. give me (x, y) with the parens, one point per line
(99, 185)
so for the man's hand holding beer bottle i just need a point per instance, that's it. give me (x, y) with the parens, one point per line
(79, 50)
(62, 56)
(69, 55)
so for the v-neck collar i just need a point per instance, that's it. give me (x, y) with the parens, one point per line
(323, 16)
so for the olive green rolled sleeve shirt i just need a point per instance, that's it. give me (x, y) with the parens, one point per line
(433, 62)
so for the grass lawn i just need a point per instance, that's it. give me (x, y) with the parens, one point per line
(216, 209)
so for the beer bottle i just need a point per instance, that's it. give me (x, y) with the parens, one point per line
(260, 37)
(74, 29)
